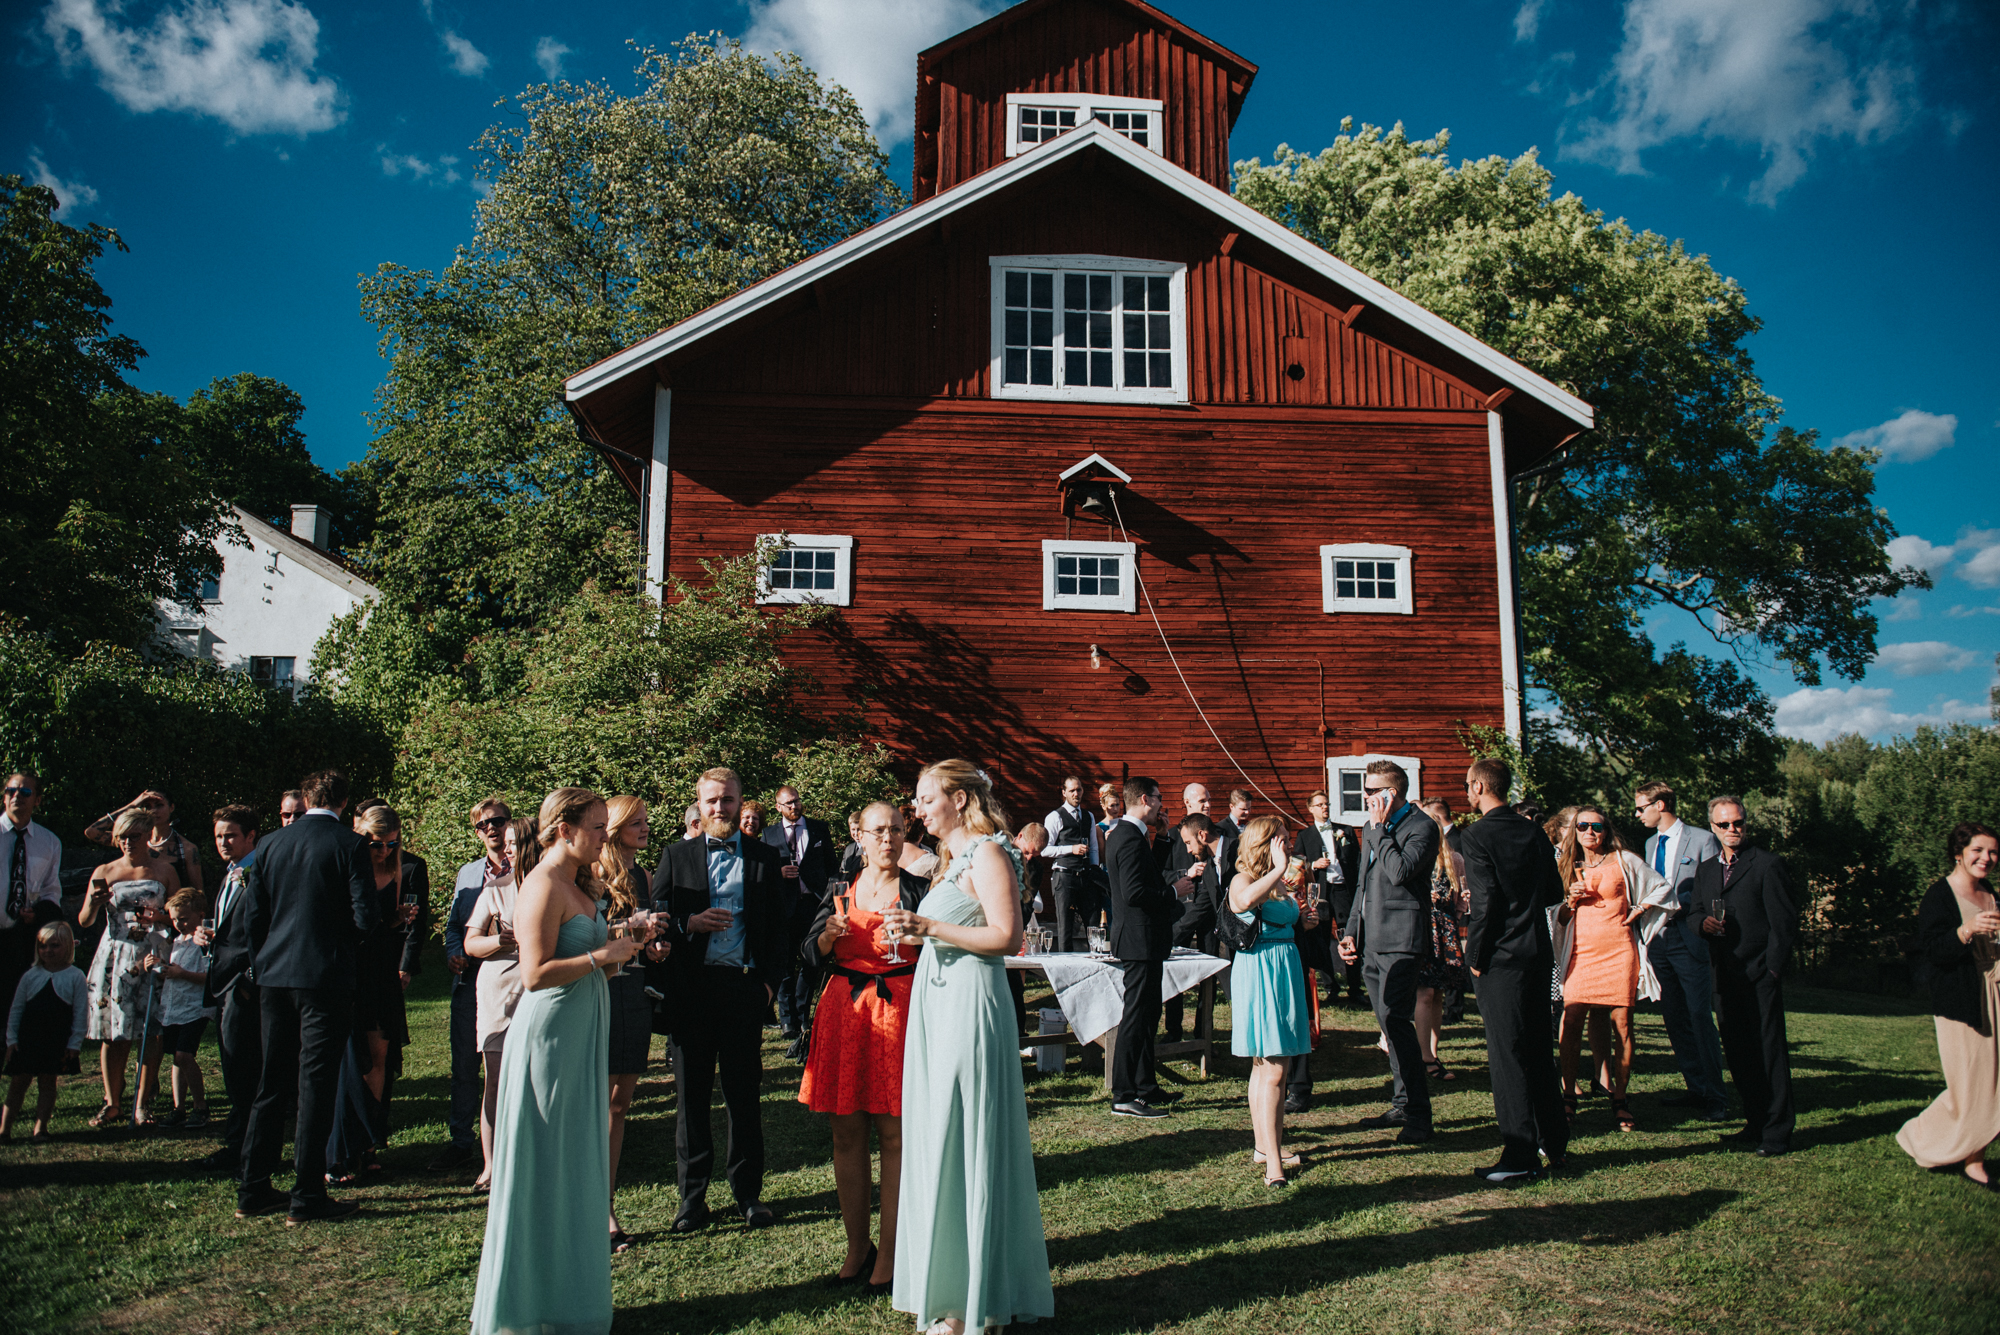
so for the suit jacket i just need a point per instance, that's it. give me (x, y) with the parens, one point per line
(1697, 846)
(1947, 968)
(1346, 854)
(230, 966)
(1510, 874)
(312, 898)
(1316, 944)
(816, 866)
(1757, 934)
(680, 886)
(1144, 907)
(465, 894)
(1196, 923)
(1393, 907)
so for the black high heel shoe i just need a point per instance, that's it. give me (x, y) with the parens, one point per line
(860, 1276)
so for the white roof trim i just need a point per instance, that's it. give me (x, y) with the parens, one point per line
(995, 179)
(1097, 459)
(307, 555)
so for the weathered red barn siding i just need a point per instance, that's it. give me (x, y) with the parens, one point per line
(918, 322)
(1110, 49)
(948, 650)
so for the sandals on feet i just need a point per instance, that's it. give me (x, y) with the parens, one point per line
(1620, 1110)
(1284, 1160)
(1435, 1070)
(108, 1115)
(621, 1241)
(1569, 1108)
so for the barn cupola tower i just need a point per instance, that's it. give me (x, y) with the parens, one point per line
(1030, 73)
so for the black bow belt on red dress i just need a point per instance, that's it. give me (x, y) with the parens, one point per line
(859, 980)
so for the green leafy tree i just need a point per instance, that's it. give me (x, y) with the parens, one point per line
(244, 430)
(1917, 788)
(1689, 492)
(623, 695)
(104, 509)
(608, 217)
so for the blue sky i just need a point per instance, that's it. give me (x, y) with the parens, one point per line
(1834, 156)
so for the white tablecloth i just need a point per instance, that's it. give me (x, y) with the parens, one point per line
(1091, 989)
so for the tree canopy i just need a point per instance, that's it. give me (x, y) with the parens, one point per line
(1689, 492)
(608, 217)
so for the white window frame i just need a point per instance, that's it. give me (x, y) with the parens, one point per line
(1086, 106)
(842, 593)
(1125, 600)
(1402, 604)
(1336, 765)
(1057, 266)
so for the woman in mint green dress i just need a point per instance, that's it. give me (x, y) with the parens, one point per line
(1267, 989)
(546, 1265)
(970, 1253)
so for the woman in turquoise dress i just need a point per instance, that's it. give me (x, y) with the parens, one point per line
(970, 1253)
(1267, 997)
(546, 1265)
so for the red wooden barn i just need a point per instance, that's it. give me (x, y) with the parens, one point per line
(1107, 472)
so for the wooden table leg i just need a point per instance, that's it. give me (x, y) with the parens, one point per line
(1204, 1020)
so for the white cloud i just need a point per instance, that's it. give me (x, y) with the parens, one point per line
(868, 47)
(442, 172)
(1903, 609)
(69, 194)
(1910, 550)
(247, 63)
(1782, 76)
(1981, 550)
(549, 55)
(1921, 658)
(1961, 611)
(1528, 19)
(466, 58)
(1820, 714)
(1906, 438)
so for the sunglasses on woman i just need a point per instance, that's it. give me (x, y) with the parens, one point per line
(1596, 825)
(381, 847)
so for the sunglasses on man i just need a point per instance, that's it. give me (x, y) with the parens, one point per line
(490, 823)
(20, 790)
(1727, 824)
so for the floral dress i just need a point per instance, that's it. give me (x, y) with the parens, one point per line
(120, 996)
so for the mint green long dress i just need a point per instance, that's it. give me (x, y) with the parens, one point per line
(969, 1242)
(546, 1265)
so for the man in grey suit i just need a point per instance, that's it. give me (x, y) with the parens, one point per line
(1679, 954)
(1389, 930)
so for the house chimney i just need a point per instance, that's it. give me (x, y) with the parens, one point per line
(313, 524)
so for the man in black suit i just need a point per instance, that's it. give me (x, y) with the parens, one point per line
(729, 907)
(1333, 859)
(1389, 930)
(1749, 945)
(1510, 875)
(1144, 909)
(311, 901)
(239, 1029)
(1230, 828)
(806, 847)
(1195, 928)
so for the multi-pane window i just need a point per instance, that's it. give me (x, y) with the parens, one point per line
(1351, 800)
(274, 673)
(1038, 125)
(1347, 780)
(1036, 118)
(1107, 331)
(806, 568)
(1365, 577)
(1088, 576)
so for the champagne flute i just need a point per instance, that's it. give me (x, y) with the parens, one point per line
(1718, 909)
(208, 938)
(842, 900)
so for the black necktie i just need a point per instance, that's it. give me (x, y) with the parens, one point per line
(17, 874)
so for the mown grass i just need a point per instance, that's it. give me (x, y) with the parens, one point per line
(1152, 1226)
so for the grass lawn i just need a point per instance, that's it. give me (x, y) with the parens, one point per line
(1152, 1226)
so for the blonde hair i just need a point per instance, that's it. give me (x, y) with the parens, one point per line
(379, 822)
(721, 774)
(131, 821)
(1571, 855)
(567, 806)
(1253, 853)
(59, 932)
(1440, 811)
(493, 804)
(184, 898)
(983, 813)
(620, 885)
(1034, 832)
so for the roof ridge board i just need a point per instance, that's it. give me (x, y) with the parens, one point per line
(1015, 13)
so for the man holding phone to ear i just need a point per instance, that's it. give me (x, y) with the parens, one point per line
(1389, 930)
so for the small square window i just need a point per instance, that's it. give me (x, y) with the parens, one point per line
(1088, 576)
(211, 589)
(808, 568)
(1346, 777)
(1365, 577)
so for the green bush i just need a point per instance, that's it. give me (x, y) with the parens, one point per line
(101, 726)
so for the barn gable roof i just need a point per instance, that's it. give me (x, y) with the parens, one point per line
(1436, 339)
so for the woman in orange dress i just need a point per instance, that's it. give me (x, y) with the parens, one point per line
(854, 1072)
(1613, 906)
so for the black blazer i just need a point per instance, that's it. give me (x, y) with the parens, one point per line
(1346, 855)
(1510, 874)
(1392, 910)
(1144, 907)
(417, 877)
(1757, 934)
(816, 867)
(230, 966)
(1197, 922)
(312, 898)
(911, 893)
(1945, 964)
(680, 886)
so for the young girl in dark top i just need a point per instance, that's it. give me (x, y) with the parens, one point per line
(45, 1028)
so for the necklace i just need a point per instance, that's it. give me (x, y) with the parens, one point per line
(1588, 865)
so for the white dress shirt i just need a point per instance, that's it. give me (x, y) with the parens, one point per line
(44, 865)
(1053, 821)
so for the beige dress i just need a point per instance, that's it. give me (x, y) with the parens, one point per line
(1966, 1117)
(499, 986)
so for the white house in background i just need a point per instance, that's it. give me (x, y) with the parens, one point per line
(272, 602)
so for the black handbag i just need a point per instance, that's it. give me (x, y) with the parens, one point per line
(1237, 934)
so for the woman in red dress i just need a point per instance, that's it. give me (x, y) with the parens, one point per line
(855, 1069)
